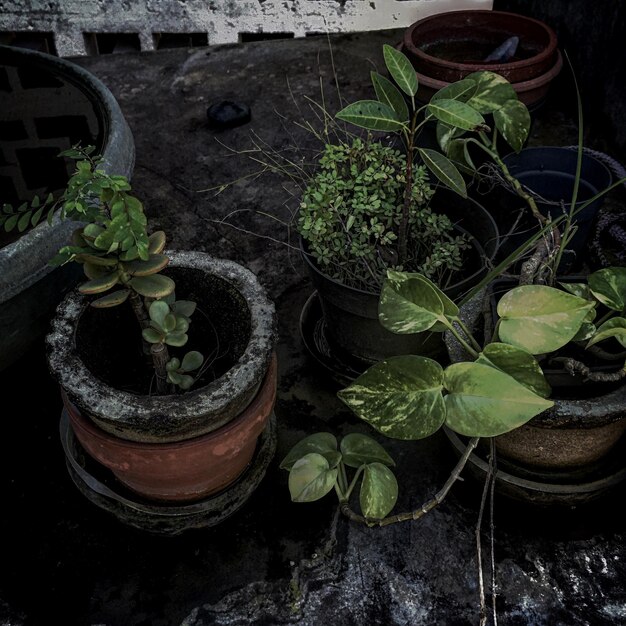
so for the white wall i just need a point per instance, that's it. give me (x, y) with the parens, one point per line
(222, 20)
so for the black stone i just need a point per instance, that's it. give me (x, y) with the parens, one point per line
(228, 114)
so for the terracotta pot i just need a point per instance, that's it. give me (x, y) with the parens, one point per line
(185, 470)
(449, 46)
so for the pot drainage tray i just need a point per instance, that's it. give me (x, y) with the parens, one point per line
(99, 485)
(547, 488)
(342, 368)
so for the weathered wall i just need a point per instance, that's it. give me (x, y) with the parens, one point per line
(222, 20)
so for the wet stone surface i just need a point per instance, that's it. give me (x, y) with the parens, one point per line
(273, 562)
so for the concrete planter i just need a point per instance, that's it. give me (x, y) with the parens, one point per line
(50, 104)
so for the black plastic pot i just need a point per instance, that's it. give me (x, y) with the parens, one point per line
(549, 172)
(351, 323)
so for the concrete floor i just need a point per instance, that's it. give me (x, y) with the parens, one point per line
(63, 560)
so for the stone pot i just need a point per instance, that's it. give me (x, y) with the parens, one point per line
(351, 314)
(181, 470)
(575, 435)
(449, 46)
(204, 437)
(48, 105)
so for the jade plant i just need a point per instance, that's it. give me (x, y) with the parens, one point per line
(500, 386)
(120, 260)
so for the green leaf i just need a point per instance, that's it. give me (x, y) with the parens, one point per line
(457, 114)
(94, 259)
(24, 221)
(156, 242)
(388, 93)
(513, 121)
(153, 265)
(186, 381)
(158, 311)
(155, 286)
(482, 401)
(151, 335)
(493, 91)
(445, 134)
(320, 443)
(459, 154)
(172, 365)
(462, 90)
(578, 289)
(184, 307)
(444, 170)
(169, 323)
(609, 287)
(519, 364)
(176, 339)
(358, 449)
(540, 319)
(400, 397)
(182, 324)
(379, 491)
(99, 285)
(311, 478)
(192, 361)
(174, 377)
(587, 330)
(11, 221)
(409, 303)
(112, 299)
(401, 70)
(615, 327)
(372, 115)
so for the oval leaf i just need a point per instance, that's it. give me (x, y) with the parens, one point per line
(192, 361)
(358, 449)
(311, 478)
(513, 121)
(401, 70)
(176, 339)
(615, 327)
(462, 90)
(519, 364)
(457, 114)
(409, 303)
(372, 115)
(388, 93)
(100, 284)
(154, 264)
(156, 286)
(609, 287)
(444, 170)
(184, 307)
(151, 335)
(158, 311)
(400, 397)
(482, 401)
(459, 154)
(186, 381)
(156, 242)
(379, 491)
(320, 443)
(493, 91)
(111, 299)
(445, 134)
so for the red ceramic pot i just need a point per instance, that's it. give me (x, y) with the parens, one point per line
(449, 46)
(183, 470)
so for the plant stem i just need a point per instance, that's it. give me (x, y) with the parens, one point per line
(438, 498)
(468, 334)
(342, 478)
(408, 193)
(354, 481)
(460, 339)
(160, 357)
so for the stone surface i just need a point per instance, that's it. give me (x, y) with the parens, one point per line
(275, 562)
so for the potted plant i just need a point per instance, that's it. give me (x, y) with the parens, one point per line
(48, 104)
(174, 426)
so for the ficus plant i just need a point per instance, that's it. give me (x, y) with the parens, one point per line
(120, 260)
(457, 109)
(501, 385)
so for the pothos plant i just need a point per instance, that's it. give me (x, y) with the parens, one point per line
(499, 388)
(119, 259)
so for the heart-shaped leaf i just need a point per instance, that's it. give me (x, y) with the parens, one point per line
(400, 397)
(388, 93)
(609, 287)
(311, 478)
(401, 70)
(379, 491)
(519, 364)
(457, 114)
(513, 121)
(578, 289)
(409, 303)
(540, 319)
(615, 327)
(358, 449)
(444, 170)
(493, 91)
(482, 401)
(320, 443)
(372, 115)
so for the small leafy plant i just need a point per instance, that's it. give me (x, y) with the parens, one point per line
(349, 217)
(119, 259)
